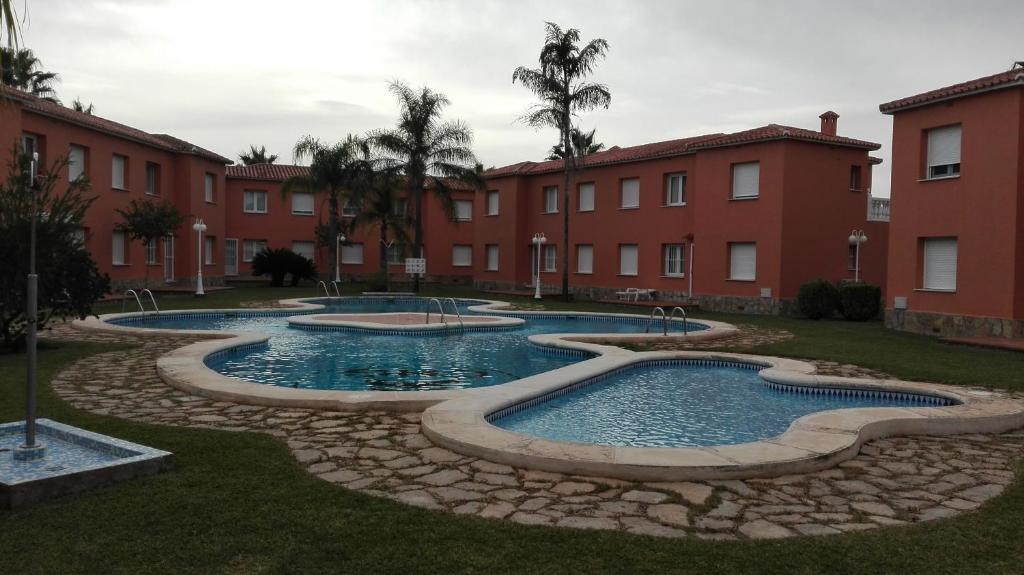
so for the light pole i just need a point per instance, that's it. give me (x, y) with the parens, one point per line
(31, 450)
(857, 237)
(539, 239)
(199, 227)
(337, 256)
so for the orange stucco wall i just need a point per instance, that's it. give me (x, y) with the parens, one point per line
(982, 208)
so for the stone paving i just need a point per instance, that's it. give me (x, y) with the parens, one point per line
(891, 482)
(748, 336)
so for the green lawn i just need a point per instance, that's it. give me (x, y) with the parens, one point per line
(238, 503)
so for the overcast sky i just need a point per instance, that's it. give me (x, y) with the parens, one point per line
(224, 74)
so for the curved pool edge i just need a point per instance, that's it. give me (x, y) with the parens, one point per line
(185, 367)
(813, 442)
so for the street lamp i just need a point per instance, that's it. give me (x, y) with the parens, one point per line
(199, 227)
(539, 239)
(857, 237)
(337, 256)
(31, 449)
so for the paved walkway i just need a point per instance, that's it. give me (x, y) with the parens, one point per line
(892, 482)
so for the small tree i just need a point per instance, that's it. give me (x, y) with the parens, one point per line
(279, 262)
(69, 281)
(818, 299)
(301, 268)
(257, 156)
(148, 221)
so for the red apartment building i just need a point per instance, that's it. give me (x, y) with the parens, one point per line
(956, 252)
(735, 221)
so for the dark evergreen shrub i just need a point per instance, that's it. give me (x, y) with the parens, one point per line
(818, 299)
(859, 301)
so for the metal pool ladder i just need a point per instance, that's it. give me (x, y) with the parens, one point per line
(138, 300)
(337, 291)
(439, 307)
(323, 284)
(672, 316)
(664, 320)
(455, 305)
(152, 299)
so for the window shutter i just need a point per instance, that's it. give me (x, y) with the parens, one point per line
(117, 172)
(944, 146)
(746, 180)
(940, 263)
(492, 258)
(117, 248)
(463, 210)
(352, 254)
(743, 261)
(493, 203)
(76, 165)
(462, 256)
(304, 249)
(585, 259)
(628, 260)
(586, 203)
(302, 203)
(208, 189)
(631, 193)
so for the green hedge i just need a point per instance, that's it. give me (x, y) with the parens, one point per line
(818, 299)
(859, 301)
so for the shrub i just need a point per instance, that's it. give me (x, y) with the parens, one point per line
(280, 262)
(818, 299)
(301, 268)
(859, 301)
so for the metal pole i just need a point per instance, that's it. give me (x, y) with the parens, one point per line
(337, 258)
(31, 315)
(199, 251)
(536, 251)
(856, 264)
(690, 274)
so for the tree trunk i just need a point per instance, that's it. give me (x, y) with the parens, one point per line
(417, 196)
(145, 264)
(569, 165)
(384, 254)
(333, 224)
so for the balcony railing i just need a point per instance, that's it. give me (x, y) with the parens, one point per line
(878, 209)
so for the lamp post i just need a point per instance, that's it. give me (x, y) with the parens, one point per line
(31, 449)
(337, 256)
(539, 239)
(857, 237)
(199, 227)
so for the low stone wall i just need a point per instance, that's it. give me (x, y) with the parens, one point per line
(157, 283)
(945, 325)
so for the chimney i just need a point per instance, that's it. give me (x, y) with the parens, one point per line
(829, 121)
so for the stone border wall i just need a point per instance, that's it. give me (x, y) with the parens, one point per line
(948, 325)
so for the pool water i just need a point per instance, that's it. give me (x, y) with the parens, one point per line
(679, 406)
(353, 361)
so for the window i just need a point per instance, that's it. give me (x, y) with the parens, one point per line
(675, 189)
(151, 253)
(631, 193)
(584, 259)
(628, 256)
(209, 242)
(302, 204)
(400, 207)
(29, 145)
(254, 201)
(208, 188)
(492, 257)
(939, 264)
(76, 162)
(855, 179)
(551, 200)
(304, 249)
(550, 258)
(463, 210)
(152, 179)
(252, 247)
(586, 199)
(944, 152)
(349, 210)
(746, 180)
(118, 249)
(80, 236)
(394, 255)
(352, 254)
(851, 258)
(118, 172)
(743, 261)
(493, 202)
(675, 259)
(462, 256)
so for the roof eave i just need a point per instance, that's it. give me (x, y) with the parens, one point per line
(889, 109)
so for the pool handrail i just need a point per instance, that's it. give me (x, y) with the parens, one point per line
(458, 313)
(152, 299)
(664, 320)
(337, 291)
(323, 284)
(672, 316)
(439, 306)
(137, 300)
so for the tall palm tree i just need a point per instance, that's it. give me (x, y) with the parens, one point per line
(334, 170)
(8, 28)
(429, 152)
(80, 106)
(257, 156)
(560, 84)
(378, 195)
(22, 70)
(582, 143)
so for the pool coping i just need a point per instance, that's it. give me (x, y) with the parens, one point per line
(813, 442)
(184, 368)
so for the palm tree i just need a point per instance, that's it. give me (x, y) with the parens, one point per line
(22, 70)
(582, 143)
(428, 152)
(334, 170)
(560, 84)
(257, 156)
(379, 197)
(8, 28)
(78, 106)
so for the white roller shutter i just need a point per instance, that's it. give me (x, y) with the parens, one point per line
(117, 248)
(462, 256)
(304, 249)
(463, 210)
(940, 264)
(76, 162)
(492, 258)
(352, 254)
(631, 193)
(493, 203)
(586, 203)
(302, 204)
(944, 146)
(585, 259)
(746, 180)
(628, 259)
(742, 261)
(117, 166)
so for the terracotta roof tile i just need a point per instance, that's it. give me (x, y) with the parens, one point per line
(779, 132)
(266, 172)
(1006, 79)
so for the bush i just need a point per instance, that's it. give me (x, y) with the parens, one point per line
(859, 301)
(818, 299)
(280, 262)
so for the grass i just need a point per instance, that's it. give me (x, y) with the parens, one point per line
(238, 503)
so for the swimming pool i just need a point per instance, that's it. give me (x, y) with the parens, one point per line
(352, 361)
(684, 404)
